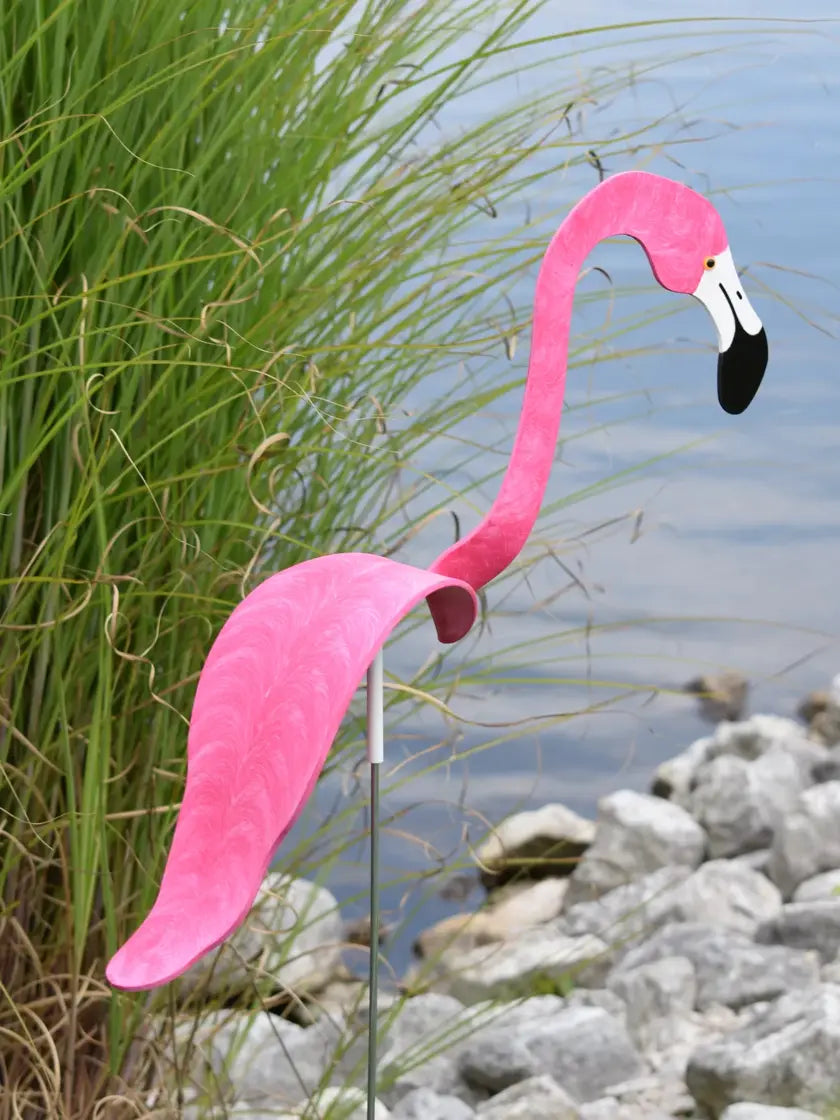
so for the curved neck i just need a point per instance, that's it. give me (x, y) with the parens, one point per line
(496, 542)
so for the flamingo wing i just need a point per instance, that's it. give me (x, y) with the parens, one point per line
(270, 699)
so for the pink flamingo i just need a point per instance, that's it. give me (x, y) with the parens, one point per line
(283, 669)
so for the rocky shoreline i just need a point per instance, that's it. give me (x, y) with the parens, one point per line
(679, 957)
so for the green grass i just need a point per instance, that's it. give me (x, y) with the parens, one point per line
(230, 249)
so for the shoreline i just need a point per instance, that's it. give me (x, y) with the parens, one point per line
(677, 957)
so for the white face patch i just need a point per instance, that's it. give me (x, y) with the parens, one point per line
(721, 294)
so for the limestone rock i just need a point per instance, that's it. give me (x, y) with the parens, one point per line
(191, 1055)
(626, 913)
(668, 1042)
(751, 738)
(786, 1055)
(759, 860)
(648, 1095)
(726, 894)
(608, 1001)
(536, 960)
(805, 925)
(426, 1104)
(663, 989)
(636, 834)
(421, 1044)
(536, 1098)
(740, 802)
(456, 933)
(608, 1108)
(722, 893)
(270, 1061)
(292, 939)
(745, 1110)
(517, 909)
(344, 1103)
(535, 844)
(673, 779)
(730, 968)
(583, 1048)
(807, 840)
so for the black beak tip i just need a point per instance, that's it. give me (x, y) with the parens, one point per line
(740, 370)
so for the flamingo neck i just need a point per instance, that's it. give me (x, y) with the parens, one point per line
(496, 542)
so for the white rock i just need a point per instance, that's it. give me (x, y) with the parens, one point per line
(345, 1103)
(517, 909)
(608, 1108)
(345, 998)
(292, 937)
(258, 1062)
(751, 738)
(664, 988)
(539, 842)
(730, 968)
(331, 1103)
(656, 1093)
(537, 1098)
(636, 834)
(608, 1001)
(805, 925)
(425, 1104)
(759, 860)
(670, 1041)
(807, 840)
(273, 1062)
(785, 1055)
(513, 969)
(673, 778)
(740, 803)
(748, 1111)
(725, 893)
(623, 915)
(826, 885)
(583, 1048)
(191, 1056)
(520, 908)
(456, 933)
(421, 1042)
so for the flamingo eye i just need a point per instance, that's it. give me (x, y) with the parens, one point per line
(709, 262)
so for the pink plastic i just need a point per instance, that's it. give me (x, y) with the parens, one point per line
(284, 667)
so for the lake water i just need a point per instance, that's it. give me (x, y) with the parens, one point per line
(734, 562)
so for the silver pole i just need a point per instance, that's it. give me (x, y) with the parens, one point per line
(375, 753)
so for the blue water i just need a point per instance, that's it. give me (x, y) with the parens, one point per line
(725, 555)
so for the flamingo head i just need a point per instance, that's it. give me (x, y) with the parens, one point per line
(688, 250)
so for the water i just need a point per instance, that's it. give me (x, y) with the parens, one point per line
(738, 538)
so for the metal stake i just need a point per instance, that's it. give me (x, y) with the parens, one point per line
(375, 753)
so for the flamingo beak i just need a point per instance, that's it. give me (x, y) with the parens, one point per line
(742, 343)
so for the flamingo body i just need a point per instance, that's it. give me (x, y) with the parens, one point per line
(286, 663)
(272, 693)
